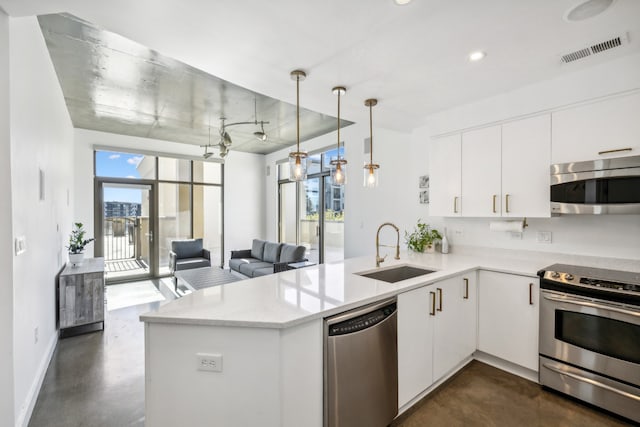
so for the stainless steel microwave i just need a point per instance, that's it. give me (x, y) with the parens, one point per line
(606, 186)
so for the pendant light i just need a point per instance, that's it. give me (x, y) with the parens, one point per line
(339, 166)
(260, 135)
(298, 159)
(371, 169)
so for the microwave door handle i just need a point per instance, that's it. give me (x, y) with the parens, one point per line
(590, 381)
(592, 305)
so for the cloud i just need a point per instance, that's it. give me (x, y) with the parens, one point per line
(114, 156)
(135, 160)
(131, 176)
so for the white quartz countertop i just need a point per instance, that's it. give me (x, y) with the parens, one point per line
(294, 297)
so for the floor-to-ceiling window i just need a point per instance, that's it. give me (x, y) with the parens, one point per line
(145, 202)
(311, 212)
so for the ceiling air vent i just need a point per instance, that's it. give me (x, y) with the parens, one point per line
(595, 48)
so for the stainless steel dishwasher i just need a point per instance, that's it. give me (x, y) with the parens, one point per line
(361, 367)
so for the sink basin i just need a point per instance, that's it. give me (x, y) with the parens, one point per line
(397, 274)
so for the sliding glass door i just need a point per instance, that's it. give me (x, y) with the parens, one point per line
(311, 212)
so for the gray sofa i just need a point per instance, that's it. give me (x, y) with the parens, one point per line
(265, 258)
(186, 254)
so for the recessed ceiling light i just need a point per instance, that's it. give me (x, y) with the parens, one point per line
(402, 2)
(586, 9)
(476, 56)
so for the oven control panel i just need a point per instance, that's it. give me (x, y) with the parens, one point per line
(570, 279)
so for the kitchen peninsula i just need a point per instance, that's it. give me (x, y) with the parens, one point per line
(268, 333)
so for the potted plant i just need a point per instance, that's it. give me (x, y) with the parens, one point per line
(77, 243)
(423, 238)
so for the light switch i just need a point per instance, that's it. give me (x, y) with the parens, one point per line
(20, 245)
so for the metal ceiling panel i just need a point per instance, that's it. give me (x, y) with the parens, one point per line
(112, 84)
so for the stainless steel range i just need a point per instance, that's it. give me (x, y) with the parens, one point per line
(590, 336)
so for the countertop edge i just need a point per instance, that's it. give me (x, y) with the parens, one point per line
(167, 319)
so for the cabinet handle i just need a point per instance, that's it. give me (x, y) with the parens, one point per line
(466, 288)
(506, 199)
(439, 298)
(433, 303)
(530, 293)
(494, 204)
(455, 204)
(614, 151)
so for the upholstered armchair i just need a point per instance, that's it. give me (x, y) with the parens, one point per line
(187, 254)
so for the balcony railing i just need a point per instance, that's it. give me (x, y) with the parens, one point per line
(121, 237)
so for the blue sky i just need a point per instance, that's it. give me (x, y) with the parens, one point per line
(119, 165)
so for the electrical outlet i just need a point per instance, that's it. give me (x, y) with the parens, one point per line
(544, 237)
(35, 335)
(209, 362)
(515, 235)
(458, 232)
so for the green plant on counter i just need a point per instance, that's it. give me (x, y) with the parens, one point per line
(77, 242)
(422, 237)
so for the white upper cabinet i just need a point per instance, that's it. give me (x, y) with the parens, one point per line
(526, 157)
(597, 130)
(444, 176)
(481, 171)
(505, 169)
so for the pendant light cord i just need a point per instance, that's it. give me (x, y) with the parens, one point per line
(298, 112)
(371, 133)
(339, 126)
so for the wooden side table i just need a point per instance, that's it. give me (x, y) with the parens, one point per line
(81, 297)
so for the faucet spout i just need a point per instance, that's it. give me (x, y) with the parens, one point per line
(378, 258)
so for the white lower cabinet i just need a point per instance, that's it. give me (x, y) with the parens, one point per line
(415, 343)
(454, 333)
(508, 308)
(436, 331)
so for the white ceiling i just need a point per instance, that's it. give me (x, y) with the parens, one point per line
(412, 58)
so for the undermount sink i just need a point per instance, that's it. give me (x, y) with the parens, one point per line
(397, 274)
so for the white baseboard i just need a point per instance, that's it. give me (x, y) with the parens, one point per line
(504, 365)
(30, 402)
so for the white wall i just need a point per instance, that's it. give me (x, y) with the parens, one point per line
(598, 235)
(6, 249)
(41, 139)
(243, 181)
(394, 200)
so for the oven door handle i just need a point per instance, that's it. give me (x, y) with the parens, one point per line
(591, 304)
(591, 381)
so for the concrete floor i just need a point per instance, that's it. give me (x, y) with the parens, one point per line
(97, 380)
(481, 395)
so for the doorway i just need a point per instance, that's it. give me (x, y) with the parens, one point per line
(125, 237)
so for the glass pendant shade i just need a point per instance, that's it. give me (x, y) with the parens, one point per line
(338, 171)
(370, 175)
(297, 166)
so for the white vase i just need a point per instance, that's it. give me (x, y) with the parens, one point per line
(76, 259)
